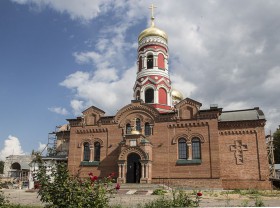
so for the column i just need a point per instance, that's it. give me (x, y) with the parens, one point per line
(145, 63)
(169, 98)
(121, 178)
(143, 171)
(146, 170)
(142, 94)
(189, 151)
(156, 61)
(120, 171)
(91, 153)
(156, 96)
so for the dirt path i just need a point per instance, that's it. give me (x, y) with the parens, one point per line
(130, 199)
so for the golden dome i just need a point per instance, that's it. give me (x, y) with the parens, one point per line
(176, 95)
(152, 31)
(135, 132)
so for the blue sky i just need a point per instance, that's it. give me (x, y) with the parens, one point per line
(58, 57)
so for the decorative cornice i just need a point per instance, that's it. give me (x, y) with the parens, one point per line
(152, 39)
(236, 132)
(161, 49)
(90, 131)
(188, 124)
(153, 81)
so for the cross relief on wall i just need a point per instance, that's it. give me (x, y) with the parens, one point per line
(238, 149)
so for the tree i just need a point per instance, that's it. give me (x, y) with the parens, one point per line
(2, 167)
(276, 144)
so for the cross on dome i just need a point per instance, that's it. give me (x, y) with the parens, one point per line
(152, 7)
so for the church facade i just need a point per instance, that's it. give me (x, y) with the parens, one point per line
(161, 136)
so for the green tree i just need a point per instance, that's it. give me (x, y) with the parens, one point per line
(276, 144)
(2, 167)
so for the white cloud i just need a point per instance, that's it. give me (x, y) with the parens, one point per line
(185, 87)
(59, 110)
(220, 52)
(77, 106)
(41, 147)
(108, 94)
(12, 146)
(82, 9)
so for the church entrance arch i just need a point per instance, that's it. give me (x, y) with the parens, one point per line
(133, 174)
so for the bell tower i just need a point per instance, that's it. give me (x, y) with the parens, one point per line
(153, 84)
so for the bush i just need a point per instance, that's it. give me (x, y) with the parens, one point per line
(179, 199)
(159, 192)
(62, 190)
(259, 202)
(3, 201)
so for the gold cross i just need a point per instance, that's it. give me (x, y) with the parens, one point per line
(152, 7)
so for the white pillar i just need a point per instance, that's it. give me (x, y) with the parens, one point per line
(142, 167)
(189, 151)
(156, 96)
(145, 63)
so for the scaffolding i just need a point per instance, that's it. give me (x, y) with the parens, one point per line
(270, 155)
(52, 142)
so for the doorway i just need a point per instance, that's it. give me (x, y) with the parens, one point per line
(133, 174)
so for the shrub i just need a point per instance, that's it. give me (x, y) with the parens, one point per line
(3, 201)
(62, 190)
(259, 202)
(179, 199)
(159, 192)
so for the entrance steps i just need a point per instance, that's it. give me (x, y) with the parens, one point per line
(139, 189)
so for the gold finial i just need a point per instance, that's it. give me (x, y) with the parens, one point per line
(134, 130)
(152, 7)
(134, 127)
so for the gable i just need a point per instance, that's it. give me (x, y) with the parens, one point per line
(92, 115)
(187, 108)
(138, 109)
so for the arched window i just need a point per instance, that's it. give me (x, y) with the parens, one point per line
(150, 61)
(86, 151)
(138, 124)
(161, 61)
(16, 166)
(183, 151)
(147, 129)
(96, 151)
(128, 128)
(149, 96)
(196, 148)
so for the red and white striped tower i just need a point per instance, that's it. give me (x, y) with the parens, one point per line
(153, 83)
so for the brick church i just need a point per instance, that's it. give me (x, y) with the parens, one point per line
(161, 135)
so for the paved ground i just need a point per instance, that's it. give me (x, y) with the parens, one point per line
(132, 197)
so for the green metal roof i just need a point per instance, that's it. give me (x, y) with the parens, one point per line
(242, 115)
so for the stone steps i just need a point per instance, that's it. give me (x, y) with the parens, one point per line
(138, 186)
(139, 189)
